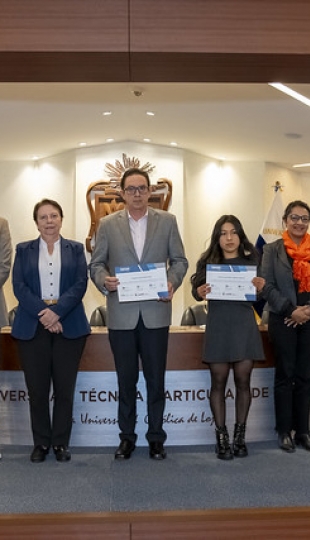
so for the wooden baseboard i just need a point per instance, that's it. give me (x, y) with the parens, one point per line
(256, 523)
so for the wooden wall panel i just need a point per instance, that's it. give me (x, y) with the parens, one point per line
(64, 25)
(61, 529)
(220, 41)
(223, 530)
(255, 41)
(220, 26)
(205, 26)
(258, 523)
(64, 41)
(219, 67)
(63, 67)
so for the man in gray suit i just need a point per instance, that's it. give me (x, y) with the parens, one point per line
(135, 236)
(5, 266)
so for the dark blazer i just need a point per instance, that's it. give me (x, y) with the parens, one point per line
(279, 290)
(73, 284)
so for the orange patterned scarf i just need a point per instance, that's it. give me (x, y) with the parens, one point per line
(301, 257)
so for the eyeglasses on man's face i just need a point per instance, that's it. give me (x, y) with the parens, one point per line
(295, 218)
(132, 190)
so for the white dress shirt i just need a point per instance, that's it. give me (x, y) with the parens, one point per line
(138, 233)
(49, 270)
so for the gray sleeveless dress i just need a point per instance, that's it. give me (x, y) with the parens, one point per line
(231, 332)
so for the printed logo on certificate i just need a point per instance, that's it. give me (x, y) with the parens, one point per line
(142, 282)
(231, 282)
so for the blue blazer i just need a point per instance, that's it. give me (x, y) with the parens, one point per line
(73, 284)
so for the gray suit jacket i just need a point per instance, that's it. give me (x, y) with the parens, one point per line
(5, 266)
(114, 247)
(279, 290)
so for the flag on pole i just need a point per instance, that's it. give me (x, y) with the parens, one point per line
(272, 227)
(271, 230)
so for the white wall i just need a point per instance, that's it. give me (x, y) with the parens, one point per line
(22, 185)
(203, 189)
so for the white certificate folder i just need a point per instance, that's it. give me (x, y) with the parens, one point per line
(142, 282)
(231, 282)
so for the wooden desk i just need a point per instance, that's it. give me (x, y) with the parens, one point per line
(184, 350)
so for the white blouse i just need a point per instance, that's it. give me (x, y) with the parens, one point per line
(49, 270)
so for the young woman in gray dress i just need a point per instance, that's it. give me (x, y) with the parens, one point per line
(232, 338)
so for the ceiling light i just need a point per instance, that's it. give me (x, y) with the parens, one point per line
(82, 144)
(173, 143)
(150, 113)
(147, 140)
(301, 165)
(35, 158)
(109, 140)
(106, 113)
(286, 90)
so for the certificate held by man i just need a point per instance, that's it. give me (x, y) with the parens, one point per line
(231, 282)
(142, 282)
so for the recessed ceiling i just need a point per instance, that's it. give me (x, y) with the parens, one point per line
(237, 122)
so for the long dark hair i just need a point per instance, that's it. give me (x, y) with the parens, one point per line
(214, 253)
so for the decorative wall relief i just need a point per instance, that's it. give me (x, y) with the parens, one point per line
(104, 197)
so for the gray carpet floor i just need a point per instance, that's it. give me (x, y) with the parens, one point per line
(190, 478)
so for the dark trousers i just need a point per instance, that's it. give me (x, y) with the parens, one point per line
(151, 346)
(292, 374)
(45, 359)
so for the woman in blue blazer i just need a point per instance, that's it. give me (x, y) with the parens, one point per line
(49, 282)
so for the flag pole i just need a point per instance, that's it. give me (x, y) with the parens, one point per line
(271, 230)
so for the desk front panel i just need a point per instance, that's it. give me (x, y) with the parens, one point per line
(188, 419)
(184, 350)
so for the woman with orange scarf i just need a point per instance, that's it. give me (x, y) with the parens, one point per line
(286, 269)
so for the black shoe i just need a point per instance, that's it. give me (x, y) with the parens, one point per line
(223, 448)
(125, 449)
(239, 446)
(157, 450)
(286, 442)
(39, 454)
(303, 440)
(62, 453)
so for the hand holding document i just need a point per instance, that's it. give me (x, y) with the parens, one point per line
(231, 282)
(142, 282)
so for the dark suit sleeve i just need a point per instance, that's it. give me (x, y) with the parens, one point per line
(25, 280)
(99, 261)
(278, 302)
